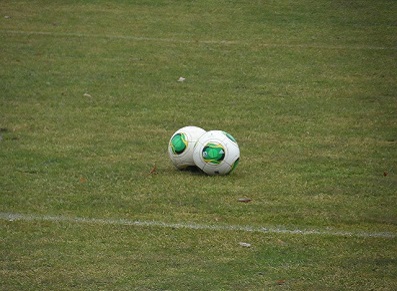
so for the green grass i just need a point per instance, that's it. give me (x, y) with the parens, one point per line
(72, 256)
(89, 99)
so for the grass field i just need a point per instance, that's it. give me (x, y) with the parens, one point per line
(89, 97)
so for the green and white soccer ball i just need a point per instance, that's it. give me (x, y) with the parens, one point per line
(181, 146)
(216, 153)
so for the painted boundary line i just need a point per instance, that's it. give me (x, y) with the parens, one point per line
(217, 42)
(193, 226)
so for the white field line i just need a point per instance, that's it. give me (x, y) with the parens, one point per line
(217, 42)
(193, 226)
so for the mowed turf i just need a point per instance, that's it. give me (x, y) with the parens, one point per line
(89, 97)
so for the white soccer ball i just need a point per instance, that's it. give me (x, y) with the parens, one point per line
(181, 145)
(216, 153)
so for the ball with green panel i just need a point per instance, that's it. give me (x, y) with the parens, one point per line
(181, 146)
(216, 153)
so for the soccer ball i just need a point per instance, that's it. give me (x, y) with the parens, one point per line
(181, 144)
(216, 153)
